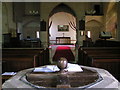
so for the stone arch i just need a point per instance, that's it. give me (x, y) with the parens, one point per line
(95, 27)
(29, 20)
(30, 26)
(62, 8)
(93, 23)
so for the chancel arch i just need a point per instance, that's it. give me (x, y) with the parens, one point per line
(62, 30)
(62, 16)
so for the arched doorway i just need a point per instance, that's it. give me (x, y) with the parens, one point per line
(62, 23)
(61, 28)
(95, 27)
(62, 32)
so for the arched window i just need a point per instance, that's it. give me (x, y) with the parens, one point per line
(89, 34)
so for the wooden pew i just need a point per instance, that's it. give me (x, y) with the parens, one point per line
(97, 51)
(112, 65)
(21, 50)
(44, 57)
(88, 57)
(100, 48)
(16, 59)
(102, 57)
(16, 64)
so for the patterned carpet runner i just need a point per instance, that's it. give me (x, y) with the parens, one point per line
(63, 51)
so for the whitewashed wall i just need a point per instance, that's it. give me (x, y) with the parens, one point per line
(62, 18)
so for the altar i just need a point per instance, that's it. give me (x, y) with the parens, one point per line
(23, 79)
(63, 40)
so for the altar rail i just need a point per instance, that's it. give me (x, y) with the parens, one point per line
(101, 57)
(16, 59)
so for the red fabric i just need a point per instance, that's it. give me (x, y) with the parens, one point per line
(63, 51)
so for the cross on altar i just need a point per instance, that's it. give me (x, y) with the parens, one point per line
(63, 34)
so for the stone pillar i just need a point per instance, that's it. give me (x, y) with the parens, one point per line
(118, 22)
(80, 37)
(43, 35)
(79, 40)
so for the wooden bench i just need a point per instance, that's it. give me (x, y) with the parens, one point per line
(88, 57)
(112, 65)
(16, 59)
(107, 58)
(87, 52)
(18, 63)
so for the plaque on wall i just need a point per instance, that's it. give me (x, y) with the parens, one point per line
(42, 25)
(81, 25)
(63, 28)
